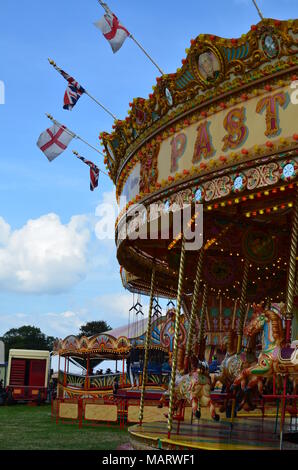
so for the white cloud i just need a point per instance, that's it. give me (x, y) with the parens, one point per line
(55, 324)
(44, 256)
(13, 320)
(63, 324)
(4, 231)
(114, 307)
(107, 212)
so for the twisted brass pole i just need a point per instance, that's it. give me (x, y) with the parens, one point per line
(176, 336)
(193, 314)
(296, 286)
(147, 344)
(242, 306)
(202, 320)
(241, 321)
(290, 303)
(292, 272)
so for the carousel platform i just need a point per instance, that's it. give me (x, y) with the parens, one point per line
(244, 434)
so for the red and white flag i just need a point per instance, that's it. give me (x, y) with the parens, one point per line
(54, 141)
(112, 30)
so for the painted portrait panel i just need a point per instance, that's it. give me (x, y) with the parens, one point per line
(209, 66)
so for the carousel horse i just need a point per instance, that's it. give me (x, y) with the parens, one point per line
(194, 388)
(231, 364)
(274, 358)
(231, 367)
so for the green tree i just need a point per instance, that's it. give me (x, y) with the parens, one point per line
(27, 337)
(94, 328)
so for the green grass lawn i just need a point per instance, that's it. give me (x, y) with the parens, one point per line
(26, 427)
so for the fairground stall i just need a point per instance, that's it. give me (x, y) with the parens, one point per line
(27, 375)
(219, 135)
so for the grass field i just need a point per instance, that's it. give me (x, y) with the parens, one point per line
(24, 427)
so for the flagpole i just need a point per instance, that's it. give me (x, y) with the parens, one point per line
(91, 146)
(108, 11)
(258, 9)
(53, 63)
(78, 155)
(146, 53)
(104, 6)
(101, 105)
(68, 131)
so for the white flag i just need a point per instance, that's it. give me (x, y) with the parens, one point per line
(112, 30)
(54, 141)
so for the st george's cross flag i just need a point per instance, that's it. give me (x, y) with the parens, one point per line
(73, 91)
(112, 30)
(54, 141)
(94, 172)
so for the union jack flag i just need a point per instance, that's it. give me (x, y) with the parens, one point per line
(94, 172)
(73, 91)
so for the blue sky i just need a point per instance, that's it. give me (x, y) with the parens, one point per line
(54, 272)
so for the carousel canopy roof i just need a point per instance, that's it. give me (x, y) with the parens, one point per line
(111, 344)
(221, 132)
(213, 69)
(133, 330)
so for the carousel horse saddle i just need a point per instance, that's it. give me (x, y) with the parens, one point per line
(289, 354)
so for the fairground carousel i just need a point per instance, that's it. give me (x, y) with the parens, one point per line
(123, 346)
(219, 136)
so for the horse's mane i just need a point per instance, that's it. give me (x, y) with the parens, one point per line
(275, 317)
(277, 326)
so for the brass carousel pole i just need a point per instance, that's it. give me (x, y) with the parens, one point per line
(242, 305)
(176, 335)
(202, 321)
(193, 314)
(290, 300)
(147, 344)
(242, 308)
(292, 273)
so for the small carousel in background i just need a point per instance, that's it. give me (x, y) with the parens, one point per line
(87, 354)
(124, 346)
(221, 132)
(94, 397)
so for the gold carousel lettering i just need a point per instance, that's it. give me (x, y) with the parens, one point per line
(234, 125)
(178, 144)
(203, 145)
(270, 103)
(237, 130)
